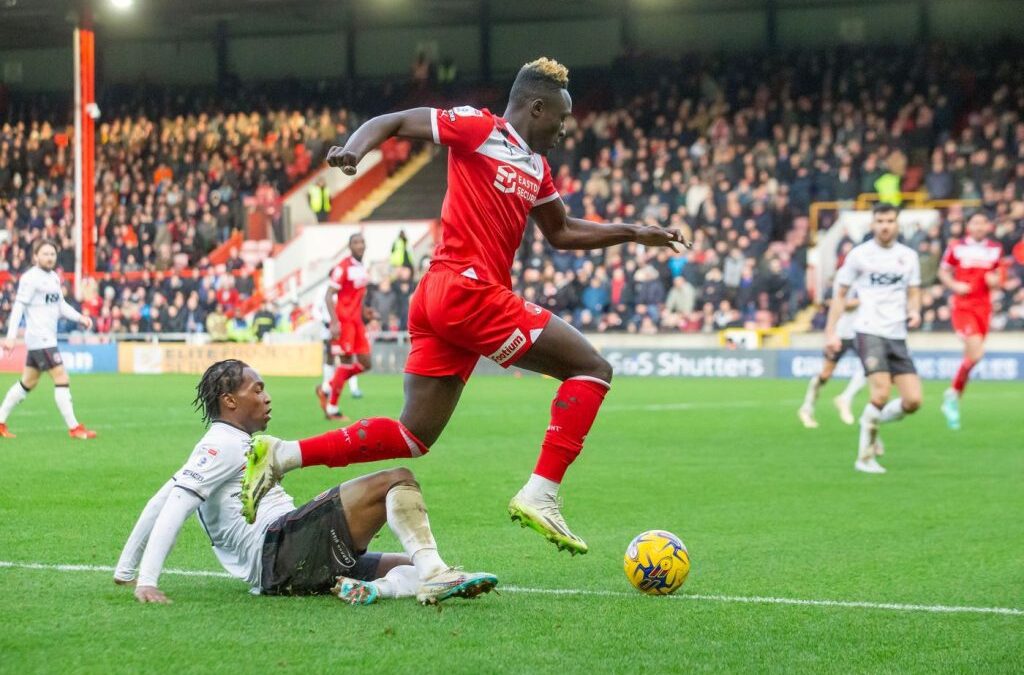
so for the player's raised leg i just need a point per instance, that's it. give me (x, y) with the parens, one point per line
(806, 411)
(429, 403)
(844, 401)
(344, 372)
(974, 351)
(563, 353)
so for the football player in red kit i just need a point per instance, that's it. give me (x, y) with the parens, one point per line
(464, 307)
(970, 269)
(346, 290)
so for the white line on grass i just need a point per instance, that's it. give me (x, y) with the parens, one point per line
(741, 599)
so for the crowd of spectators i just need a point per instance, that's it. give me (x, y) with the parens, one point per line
(734, 151)
(731, 150)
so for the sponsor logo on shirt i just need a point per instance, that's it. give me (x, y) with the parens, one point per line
(515, 342)
(509, 181)
(885, 278)
(51, 298)
(505, 181)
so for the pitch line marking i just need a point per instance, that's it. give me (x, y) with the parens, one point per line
(736, 599)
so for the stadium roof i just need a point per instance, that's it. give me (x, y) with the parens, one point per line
(46, 23)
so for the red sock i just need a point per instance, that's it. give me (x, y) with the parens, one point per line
(369, 440)
(962, 375)
(341, 374)
(572, 414)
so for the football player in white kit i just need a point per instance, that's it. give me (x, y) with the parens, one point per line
(315, 549)
(886, 276)
(40, 300)
(844, 401)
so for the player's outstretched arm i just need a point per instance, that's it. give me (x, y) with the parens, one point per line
(179, 506)
(413, 123)
(568, 233)
(131, 554)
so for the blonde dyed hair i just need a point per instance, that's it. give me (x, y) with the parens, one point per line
(548, 69)
(540, 78)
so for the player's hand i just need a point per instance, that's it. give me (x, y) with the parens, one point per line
(8, 344)
(146, 594)
(992, 279)
(914, 320)
(652, 235)
(86, 322)
(343, 159)
(833, 344)
(124, 582)
(961, 287)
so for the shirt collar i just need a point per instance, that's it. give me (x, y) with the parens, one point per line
(232, 428)
(515, 134)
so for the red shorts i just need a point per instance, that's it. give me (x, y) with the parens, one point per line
(351, 339)
(454, 320)
(968, 321)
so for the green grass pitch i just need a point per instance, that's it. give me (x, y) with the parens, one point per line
(767, 509)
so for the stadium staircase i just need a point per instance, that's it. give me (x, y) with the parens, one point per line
(383, 193)
(420, 196)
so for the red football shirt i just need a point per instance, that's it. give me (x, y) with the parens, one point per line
(349, 278)
(494, 179)
(970, 261)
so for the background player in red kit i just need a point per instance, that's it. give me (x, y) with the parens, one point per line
(346, 290)
(464, 308)
(970, 268)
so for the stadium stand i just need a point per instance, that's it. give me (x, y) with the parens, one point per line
(733, 150)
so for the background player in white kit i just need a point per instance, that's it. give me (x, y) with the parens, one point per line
(40, 300)
(316, 549)
(844, 401)
(887, 278)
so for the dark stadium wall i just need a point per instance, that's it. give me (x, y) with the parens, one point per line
(272, 46)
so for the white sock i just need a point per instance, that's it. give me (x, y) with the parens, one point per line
(15, 395)
(813, 387)
(892, 412)
(856, 383)
(325, 386)
(868, 430)
(400, 582)
(353, 385)
(287, 456)
(538, 486)
(407, 517)
(62, 395)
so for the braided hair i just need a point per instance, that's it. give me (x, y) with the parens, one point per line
(223, 377)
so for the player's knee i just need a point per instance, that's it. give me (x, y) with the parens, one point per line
(911, 404)
(600, 369)
(400, 476)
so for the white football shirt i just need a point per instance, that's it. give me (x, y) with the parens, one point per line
(214, 474)
(41, 300)
(881, 278)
